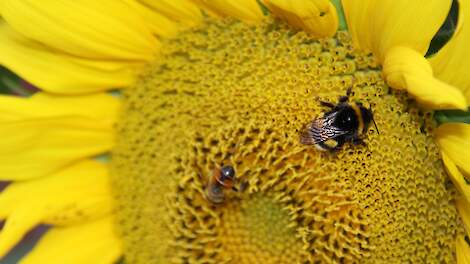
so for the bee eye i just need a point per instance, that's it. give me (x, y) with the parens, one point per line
(227, 172)
(346, 120)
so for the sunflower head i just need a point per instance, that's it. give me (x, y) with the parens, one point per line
(230, 93)
(229, 84)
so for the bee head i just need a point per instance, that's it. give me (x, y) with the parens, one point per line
(227, 173)
(225, 176)
(368, 116)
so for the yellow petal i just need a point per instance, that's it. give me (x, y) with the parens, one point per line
(451, 63)
(61, 73)
(380, 25)
(248, 11)
(464, 210)
(35, 143)
(318, 17)
(183, 11)
(43, 105)
(35, 148)
(405, 68)
(93, 242)
(456, 176)
(78, 193)
(105, 29)
(454, 140)
(156, 22)
(463, 251)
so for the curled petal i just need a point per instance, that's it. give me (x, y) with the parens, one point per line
(463, 250)
(464, 210)
(318, 17)
(451, 63)
(405, 68)
(456, 176)
(454, 141)
(380, 25)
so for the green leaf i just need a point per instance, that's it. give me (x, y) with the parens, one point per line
(454, 116)
(263, 8)
(10, 83)
(446, 31)
(342, 19)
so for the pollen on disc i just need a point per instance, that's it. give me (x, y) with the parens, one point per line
(227, 93)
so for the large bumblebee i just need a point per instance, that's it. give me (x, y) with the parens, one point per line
(345, 122)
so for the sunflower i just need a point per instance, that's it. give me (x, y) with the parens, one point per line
(141, 100)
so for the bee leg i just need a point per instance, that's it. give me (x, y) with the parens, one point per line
(235, 189)
(334, 150)
(358, 141)
(339, 142)
(327, 104)
(338, 147)
(345, 98)
(243, 186)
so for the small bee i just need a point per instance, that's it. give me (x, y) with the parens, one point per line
(345, 122)
(222, 178)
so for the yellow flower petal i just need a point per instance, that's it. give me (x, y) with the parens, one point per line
(105, 29)
(463, 251)
(405, 68)
(380, 25)
(454, 140)
(61, 73)
(456, 176)
(464, 210)
(35, 143)
(183, 11)
(93, 242)
(318, 17)
(248, 11)
(156, 22)
(78, 193)
(43, 105)
(451, 63)
(35, 148)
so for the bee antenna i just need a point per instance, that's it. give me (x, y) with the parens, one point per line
(373, 120)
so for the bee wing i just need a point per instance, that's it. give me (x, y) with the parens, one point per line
(321, 130)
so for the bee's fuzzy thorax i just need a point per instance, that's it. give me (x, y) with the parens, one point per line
(360, 118)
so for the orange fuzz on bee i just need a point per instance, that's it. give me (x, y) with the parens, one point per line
(222, 179)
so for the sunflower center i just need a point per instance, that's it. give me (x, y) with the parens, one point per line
(260, 227)
(231, 94)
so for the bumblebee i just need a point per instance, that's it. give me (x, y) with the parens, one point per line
(222, 179)
(345, 122)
